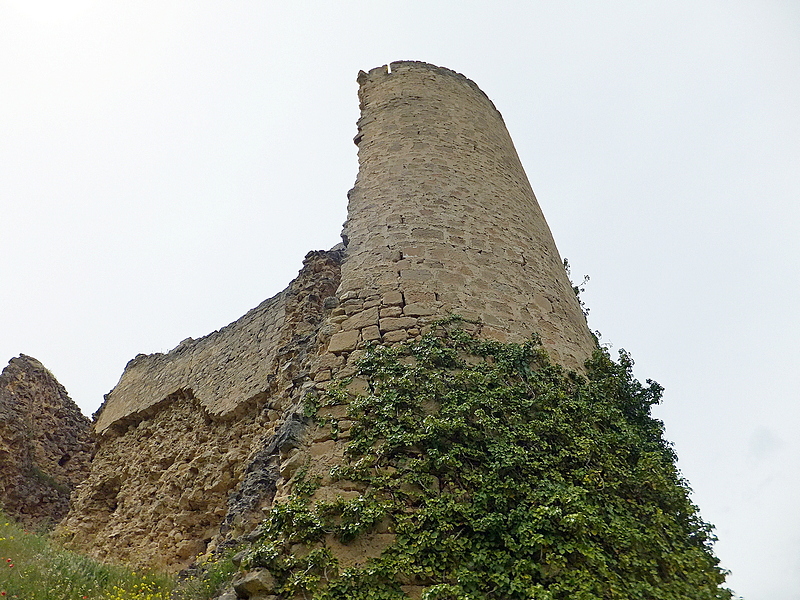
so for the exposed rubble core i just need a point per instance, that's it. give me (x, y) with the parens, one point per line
(45, 443)
(163, 474)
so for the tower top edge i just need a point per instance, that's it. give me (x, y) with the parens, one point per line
(400, 66)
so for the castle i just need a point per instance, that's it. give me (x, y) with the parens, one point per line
(195, 445)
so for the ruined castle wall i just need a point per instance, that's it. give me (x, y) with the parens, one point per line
(45, 443)
(442, 219)
(184, 446)
(222, 369)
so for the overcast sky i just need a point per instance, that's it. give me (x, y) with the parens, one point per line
(165, 166)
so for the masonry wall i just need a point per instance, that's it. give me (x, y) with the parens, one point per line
(442, 219)
(188, 441)
(194, 445)
(45, 444)
(223, 369)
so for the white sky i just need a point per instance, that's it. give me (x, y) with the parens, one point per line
(165, 166)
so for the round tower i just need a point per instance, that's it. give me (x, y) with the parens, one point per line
(443, 220)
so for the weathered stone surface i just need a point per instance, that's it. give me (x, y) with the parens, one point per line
(392, 323)
(419, 309)
(344, 341)
(440, 181)
(254, 583)
(45, 443)
(201, 475)
(364, 318)
(371, 333)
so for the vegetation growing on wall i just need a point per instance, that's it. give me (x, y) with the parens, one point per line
(500, 476)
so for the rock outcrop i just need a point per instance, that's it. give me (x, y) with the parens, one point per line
(45, 444)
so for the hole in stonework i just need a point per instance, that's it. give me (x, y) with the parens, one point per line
(63, 460)
(105, 494)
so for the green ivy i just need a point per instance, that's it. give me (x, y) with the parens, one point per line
(502, 477)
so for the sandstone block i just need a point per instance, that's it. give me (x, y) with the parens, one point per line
(451, 278)
(357, 386)
(289, 466)
(362, 319)
(399, 335)
(338, 411)
(323, 448)
(414, 296)
(418, 309)
(329, 361)
(391, 311)
(343, 341)
(394, 323)
(323, 375)
(393, 298)
(416, 275)
(258, 582)
(371, 333)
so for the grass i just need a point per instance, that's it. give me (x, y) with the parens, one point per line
(33, 568)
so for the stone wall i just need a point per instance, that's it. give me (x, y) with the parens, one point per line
(442, 220)
(223, 369)
(45, 443)
(180, 459)
(197, 443)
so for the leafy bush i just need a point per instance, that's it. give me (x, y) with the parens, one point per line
(501, 476)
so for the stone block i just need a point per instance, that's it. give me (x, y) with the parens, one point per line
(415, 296)
(393, 323)
(362, 319)
(253, 583)
(371, 334)
(323, 375)
(398, 335)
(393, 298)
(343, 341)
(329, 361)
(416, 275)
(322, 448)
(391, 311)
(357, 386)
(418, 309)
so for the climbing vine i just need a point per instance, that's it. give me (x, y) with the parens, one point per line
(499, 475)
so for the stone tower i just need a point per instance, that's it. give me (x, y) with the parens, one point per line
(443, 214)
(441, 220)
